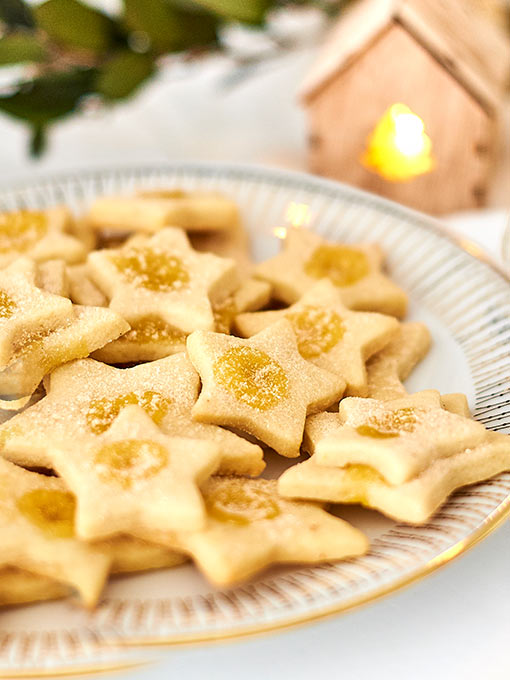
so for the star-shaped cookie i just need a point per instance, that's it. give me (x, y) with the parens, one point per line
(51, 276)
(37, 533)
(414, 501)
(328, 334)
(81, 289)
(163, 277)
(354, 269)
(18, 586)
(41, 235)
(133, 479)
(397, 438)
(88, 329)
(25, 309)
(261, 386)
(84, 397)
(388, 368)
(250, 527)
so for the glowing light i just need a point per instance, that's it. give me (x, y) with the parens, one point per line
(297, 215)
(398, 148)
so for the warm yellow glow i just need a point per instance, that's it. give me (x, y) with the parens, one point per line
(296, 215)
(398, 148)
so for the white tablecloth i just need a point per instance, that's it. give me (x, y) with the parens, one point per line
(455, 623)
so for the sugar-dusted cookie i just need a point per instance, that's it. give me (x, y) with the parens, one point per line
(37, 533)
(328, 334)
(389, 367)
(151, 211)
(456, 402)
(18, 586)
(414, 501)
(262, 386)
(133, 478)
(164, 277)
(250, 527)
(40, 235)
(25, 310)
(88, 329)
(354, 269)
(51, 276)
(81, 289)
(397, 438)
(84, 397)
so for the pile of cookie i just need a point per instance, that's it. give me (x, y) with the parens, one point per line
(148, 366)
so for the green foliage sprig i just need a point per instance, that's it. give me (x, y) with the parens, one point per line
(73, 51)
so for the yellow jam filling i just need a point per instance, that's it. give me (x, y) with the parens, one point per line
(129, 461)
(252, 377)
(21, 230)
(317, 330)
(7, 305)
(153, 329)
(50, 510)
(240, 505)
(390, 424)
(154, 271)
(102, 412)
(360, 476)
(342, 265)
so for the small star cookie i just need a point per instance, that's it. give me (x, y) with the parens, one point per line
(150, 211)
(397, 438)
(261, 386)
(251, 527)
(26, 310)
(84, 397)
(413, 502)
(354, 269)
(389, 367)
(328, 334)
(133, 479)
(88, 329)
(163, 277)
(41, 235)
(38, 535)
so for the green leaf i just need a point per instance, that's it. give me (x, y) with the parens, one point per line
(16, 13)
(121, 75)
(20, 47)
(73, 24)
(246, 11)
(48, 97)
(169, 29)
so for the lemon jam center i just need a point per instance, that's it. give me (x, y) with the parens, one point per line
(7, 305)
(252, 377)
(102, 412)
(240, 505)
(129, 461)
(50, 510)
(360, 476)
(342, 265)
(390, 424)
(20, 230)
(154, 271)
(317, 330)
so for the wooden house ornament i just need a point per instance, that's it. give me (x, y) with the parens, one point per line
(403, 101)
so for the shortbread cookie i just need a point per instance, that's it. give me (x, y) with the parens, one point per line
(21, 587)
(51, 276)
(328, 334)
(164, 277)
(41, 235)
(397, 438)
(393, 364)
(151, 211)
(354, 269)
(84, 397)
(456, 402)
(414, 501)
(88, 329)
(37, 533)
(26, 311)
(250, 527)
(233, 243)
(130, 554)
(133, 479)
(261, 386)
(81, 289)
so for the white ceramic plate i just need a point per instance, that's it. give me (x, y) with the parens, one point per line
(466, 304)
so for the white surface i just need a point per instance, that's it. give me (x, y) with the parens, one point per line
(454, 624)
